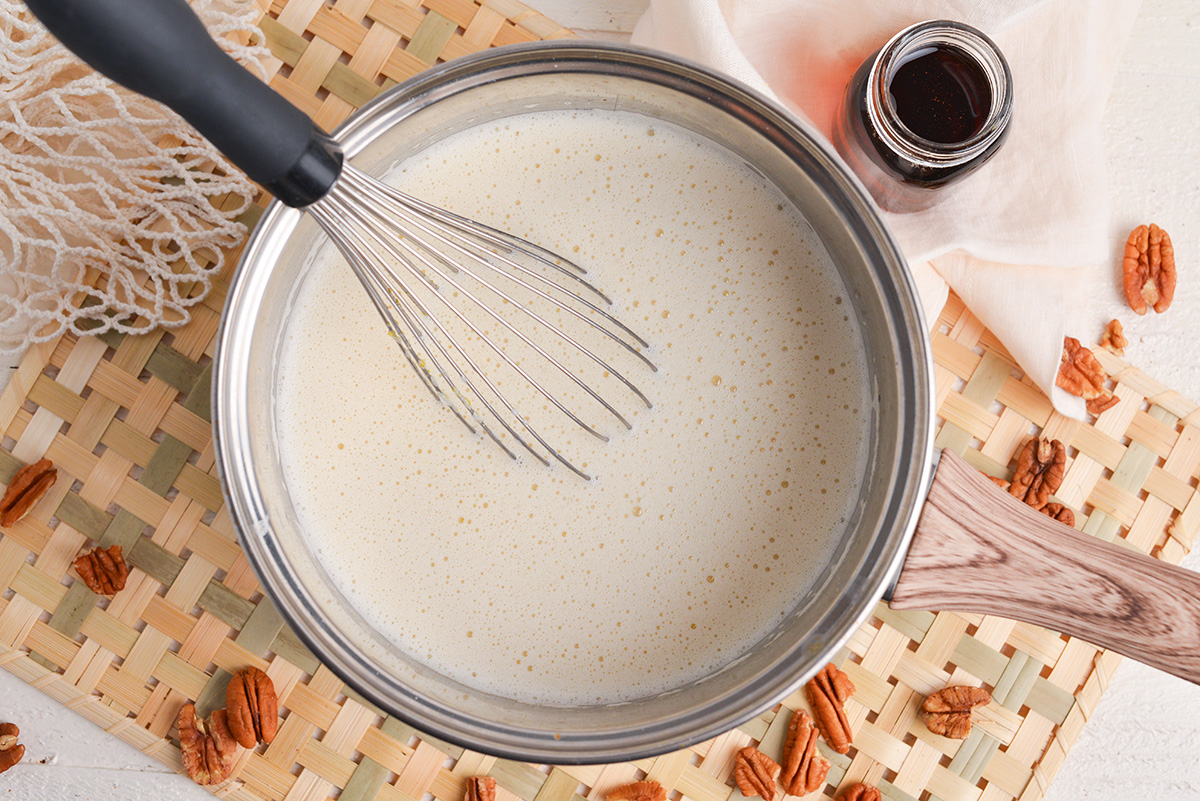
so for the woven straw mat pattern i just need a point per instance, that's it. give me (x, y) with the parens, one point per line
(126, 420)
(338, 56)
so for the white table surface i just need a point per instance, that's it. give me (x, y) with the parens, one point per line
(1144, 738)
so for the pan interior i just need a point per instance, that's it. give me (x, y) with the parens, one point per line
(877, 295)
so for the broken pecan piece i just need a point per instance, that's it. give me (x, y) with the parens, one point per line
(999, 482)
(861, 792)
(1149, 267)
(1079, 372)
(27, 488)
(638, 791)
(10, 751)
(1114, 340)
(755, 773)
(1102, 404)
(208, 752)
(481, 788)
(103, 570)
(1062, 514)
(803, 770)
(948, 712)
(253, 707)
(827, 694)
(1040, 468)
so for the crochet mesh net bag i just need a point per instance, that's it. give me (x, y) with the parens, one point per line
(97, 182)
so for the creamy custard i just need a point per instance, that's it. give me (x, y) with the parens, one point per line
(701, 527)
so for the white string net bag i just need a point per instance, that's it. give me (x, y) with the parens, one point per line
(96, 181)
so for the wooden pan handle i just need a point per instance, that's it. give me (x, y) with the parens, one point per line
(977, 549)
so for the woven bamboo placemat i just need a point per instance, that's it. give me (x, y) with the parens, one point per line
(126, 420)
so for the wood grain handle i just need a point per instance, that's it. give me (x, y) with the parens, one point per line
(978, 549)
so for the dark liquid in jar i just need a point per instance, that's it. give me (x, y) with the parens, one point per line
(941, 94)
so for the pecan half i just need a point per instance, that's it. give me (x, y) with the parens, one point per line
(253, 707)
(103, 570)
(1079, 372)
(1062, 514)
(481, 788)
(208, 751)
(10, 751)
(11, 757)
(755, 773)
(1149, 267)
(27, 488)
(948, 712)
(804, 771)
(638, 791)
(861, 792)
(1114, 340)
(1040, 468)
(827, 694)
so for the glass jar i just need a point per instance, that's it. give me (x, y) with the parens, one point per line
(929, 107)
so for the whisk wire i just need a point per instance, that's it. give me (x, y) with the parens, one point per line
(412, 253)
(385, 311)
(350, 211)
(396, 243)
(440, 257)
(477, 229)
(401, 204)
(356, 248)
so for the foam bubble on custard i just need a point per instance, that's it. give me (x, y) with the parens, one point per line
(701, 528)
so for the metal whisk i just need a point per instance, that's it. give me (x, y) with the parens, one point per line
(396, 243)
(450, 290)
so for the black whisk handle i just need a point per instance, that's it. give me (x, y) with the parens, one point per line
(160, 49)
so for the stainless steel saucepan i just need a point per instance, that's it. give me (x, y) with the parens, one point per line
(974, 548)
